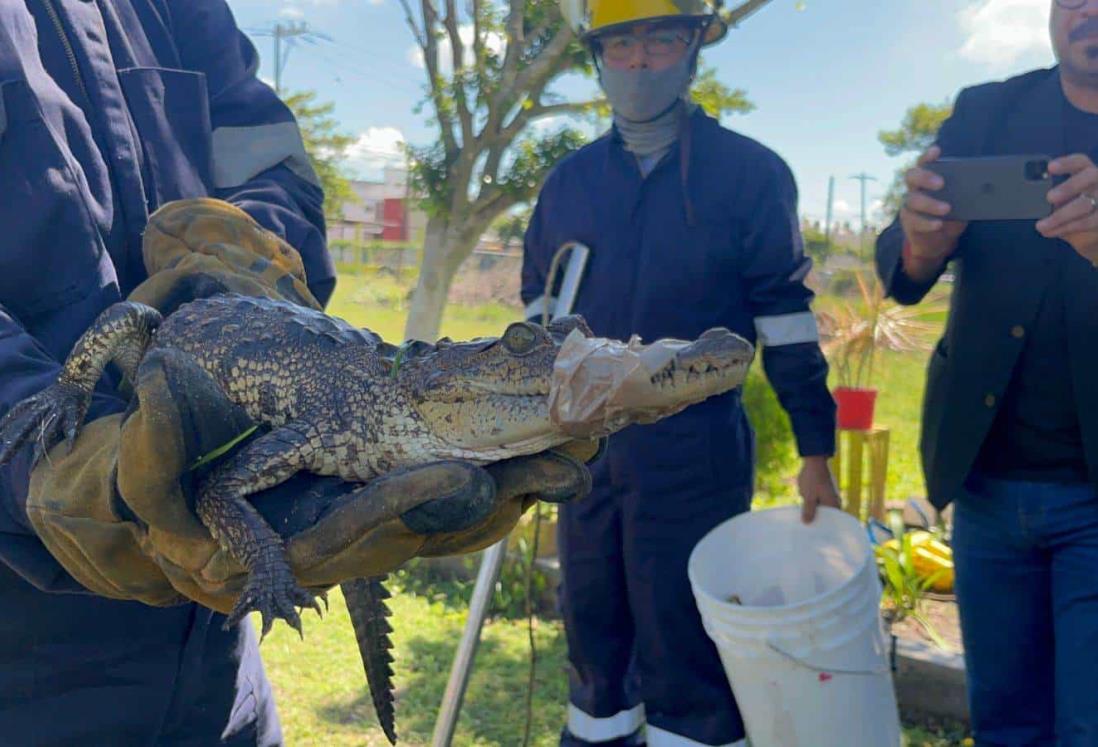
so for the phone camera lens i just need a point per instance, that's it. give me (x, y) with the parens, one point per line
(1036, 170)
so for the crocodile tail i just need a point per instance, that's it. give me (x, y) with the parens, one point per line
(366, 606)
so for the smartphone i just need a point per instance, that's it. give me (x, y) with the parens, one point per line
(995, 187)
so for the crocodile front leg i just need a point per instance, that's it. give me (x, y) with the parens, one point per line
(121, 334)
(241, 531)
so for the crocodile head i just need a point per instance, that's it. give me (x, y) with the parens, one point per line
(489, 398)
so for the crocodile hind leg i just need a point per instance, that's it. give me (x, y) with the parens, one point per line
(121, 334)
(241, 531)
(368, 612)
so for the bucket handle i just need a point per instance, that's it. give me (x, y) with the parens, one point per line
(825, 670)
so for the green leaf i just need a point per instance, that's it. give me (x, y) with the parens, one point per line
(716, 97)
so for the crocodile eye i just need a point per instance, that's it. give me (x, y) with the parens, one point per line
(520, 338)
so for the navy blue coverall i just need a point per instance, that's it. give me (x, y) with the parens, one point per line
(672, 254)
(109, 109)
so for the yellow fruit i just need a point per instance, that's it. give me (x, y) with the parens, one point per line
(920, 537)
(928, 563)
(941, 549)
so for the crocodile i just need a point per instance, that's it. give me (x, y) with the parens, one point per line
(338, 400)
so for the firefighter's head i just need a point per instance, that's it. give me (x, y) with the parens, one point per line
(646, 51)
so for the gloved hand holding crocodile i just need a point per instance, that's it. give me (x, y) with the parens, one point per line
(332, 399)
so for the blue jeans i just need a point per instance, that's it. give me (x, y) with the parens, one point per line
(1026, 559)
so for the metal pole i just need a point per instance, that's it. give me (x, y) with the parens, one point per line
(830, 202)
(863, 178)
(487, 576)
(492, 561)
(288, 32)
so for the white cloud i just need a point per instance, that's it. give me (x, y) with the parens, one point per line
(841, 207)
(291, 12)
(999, 32)
(374, 149)
(495, 42)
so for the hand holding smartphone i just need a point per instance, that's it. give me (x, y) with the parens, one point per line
(994, 187)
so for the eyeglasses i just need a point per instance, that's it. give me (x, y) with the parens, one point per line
(1071, 4)
(621, 47)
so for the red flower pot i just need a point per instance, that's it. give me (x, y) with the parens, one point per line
(855, 408)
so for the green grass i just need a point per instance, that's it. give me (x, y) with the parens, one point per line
(319, 683)
(323, 700)
(322, 697)
(379, 301)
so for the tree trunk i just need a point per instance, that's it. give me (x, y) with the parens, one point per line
(445, 247)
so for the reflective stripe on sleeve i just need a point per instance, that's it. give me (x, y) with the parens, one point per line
(787, 329)
(241, 153)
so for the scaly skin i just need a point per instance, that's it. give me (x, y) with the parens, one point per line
(340, 401)
(372, 629)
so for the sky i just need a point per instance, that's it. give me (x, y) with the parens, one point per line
(825, 78)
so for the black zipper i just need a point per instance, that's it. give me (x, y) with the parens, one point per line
(56, 19)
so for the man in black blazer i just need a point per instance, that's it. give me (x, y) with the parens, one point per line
(1010, 415)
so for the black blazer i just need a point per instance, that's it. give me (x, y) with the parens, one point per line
(1002, 269)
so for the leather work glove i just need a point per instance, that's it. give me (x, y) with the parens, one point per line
(118, 510)
(199, 247)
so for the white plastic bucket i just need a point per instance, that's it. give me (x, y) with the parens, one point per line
(805, 648)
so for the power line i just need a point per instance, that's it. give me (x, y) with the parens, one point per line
(341, 68)
(289, 32)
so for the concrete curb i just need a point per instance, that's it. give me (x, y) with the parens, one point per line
(930, 681)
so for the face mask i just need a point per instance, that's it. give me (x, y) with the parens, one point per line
(643, 95)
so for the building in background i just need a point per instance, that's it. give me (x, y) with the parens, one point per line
(385, 211)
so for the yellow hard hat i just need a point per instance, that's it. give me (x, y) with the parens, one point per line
(590, 17)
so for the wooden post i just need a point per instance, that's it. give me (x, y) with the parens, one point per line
(854, 473)
(861, 457)
(878, 466)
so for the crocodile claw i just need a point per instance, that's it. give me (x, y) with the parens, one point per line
(54, 414)
(274, 595)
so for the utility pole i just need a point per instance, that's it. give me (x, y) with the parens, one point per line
(830, 202)
(289, 32)
(863, 178)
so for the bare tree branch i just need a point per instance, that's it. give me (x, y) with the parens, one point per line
(499, 101)
(524, 117)
(544, 66)
(566, 107)
(493, 203)
(734, 17)
(516, 42)
(478, 45)
(526, 85)
(498, 141)
(416, 32)
(438, 93)
(457, 48)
